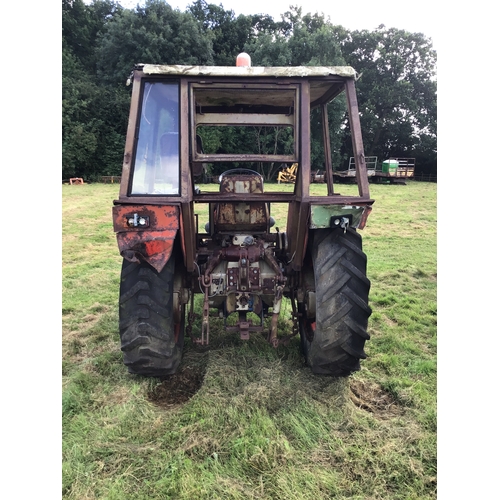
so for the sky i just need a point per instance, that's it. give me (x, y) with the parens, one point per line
(415, 17)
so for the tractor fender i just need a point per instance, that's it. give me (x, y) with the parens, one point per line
(146, 232)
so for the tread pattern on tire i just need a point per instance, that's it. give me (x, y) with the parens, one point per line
(342, 309)
(147, 329)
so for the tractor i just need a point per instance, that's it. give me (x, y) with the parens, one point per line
(242, 266)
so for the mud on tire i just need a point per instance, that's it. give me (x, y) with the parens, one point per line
(151, 343)
(338, 333)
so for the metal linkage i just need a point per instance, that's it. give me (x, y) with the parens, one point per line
(205, 328)
(295, 329)
(191, 317)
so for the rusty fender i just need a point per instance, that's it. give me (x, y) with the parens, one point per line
(146, 232)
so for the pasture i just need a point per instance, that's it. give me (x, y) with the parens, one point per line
(242, 420)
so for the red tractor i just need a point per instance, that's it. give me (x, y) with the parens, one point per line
(237, 261)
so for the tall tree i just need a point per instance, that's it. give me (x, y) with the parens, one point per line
(94, 120)
(81, 25)
(306, 40)
(397, 91)
(155, 34)
(94, 116)
(227, 32)
(312, 41)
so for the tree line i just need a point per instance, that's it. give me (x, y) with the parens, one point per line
(102, 41)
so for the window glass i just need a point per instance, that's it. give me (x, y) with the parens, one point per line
(156, 167)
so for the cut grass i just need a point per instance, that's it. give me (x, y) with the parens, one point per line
(258, 424)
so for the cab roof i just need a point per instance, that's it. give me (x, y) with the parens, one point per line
(325, 81)
(249, 71)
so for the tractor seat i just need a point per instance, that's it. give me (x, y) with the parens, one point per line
(241, 215)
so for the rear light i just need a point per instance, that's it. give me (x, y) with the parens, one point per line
(138, 221)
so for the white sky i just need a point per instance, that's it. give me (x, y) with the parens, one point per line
(416, 17)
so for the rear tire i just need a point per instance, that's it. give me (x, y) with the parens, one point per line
(333, 342)
(150, 340)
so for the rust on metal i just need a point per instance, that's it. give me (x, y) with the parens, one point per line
(298, 213)
(160, 217)
(154, 247)
(188, 235)
(357, 140)
(364, 217)
(273, 333)
(152, 243)
(205, 324)
(130, 139)
(327, 150)
(242, 216)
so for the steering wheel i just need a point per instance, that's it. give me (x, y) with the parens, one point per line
(239, 171)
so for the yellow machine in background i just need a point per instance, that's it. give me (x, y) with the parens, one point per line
(288, 174)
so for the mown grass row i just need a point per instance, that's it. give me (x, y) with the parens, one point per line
(257, 423)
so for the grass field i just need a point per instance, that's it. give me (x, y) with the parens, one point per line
(243, 420)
